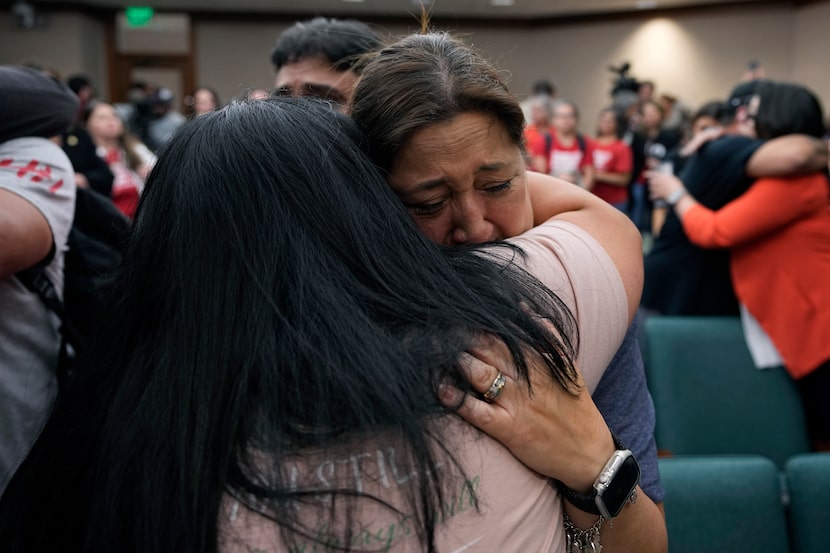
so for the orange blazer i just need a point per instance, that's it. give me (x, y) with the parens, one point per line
(779, 236)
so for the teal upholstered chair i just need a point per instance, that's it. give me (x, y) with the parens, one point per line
(808, 480)
(710, 398)
(724, 503)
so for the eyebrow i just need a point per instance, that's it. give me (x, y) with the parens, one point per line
(325, 91)
(435, 183)
(316, 90)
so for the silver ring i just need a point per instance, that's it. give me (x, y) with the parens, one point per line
(495, 388)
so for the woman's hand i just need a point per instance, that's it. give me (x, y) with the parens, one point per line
(551, 430)
(702, 137)
(662, 185)
(557, 434)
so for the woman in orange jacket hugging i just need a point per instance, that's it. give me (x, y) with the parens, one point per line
(778, 233)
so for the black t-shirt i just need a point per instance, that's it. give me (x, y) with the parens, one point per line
(681, 278)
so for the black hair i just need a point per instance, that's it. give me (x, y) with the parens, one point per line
(714, 109)
(787, 108)
(619, 119)
(739, 97)
(544, 87)
(276, 299)
(77, 82)
(343, 42)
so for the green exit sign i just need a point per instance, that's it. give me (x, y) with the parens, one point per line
(138, 16)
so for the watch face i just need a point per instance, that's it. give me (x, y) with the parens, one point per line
(621, 485)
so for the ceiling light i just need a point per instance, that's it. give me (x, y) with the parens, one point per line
(502, 2)
(646, 4)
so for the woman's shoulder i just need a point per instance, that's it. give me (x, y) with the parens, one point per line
(576, 267)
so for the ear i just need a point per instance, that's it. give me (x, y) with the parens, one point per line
(741, 114)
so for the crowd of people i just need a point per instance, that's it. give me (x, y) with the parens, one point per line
(384, 306)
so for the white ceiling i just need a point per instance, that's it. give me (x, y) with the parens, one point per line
(521, 9)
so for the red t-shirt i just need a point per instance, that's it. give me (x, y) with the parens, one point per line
(126, 185)
(615, 157)
(560, 159)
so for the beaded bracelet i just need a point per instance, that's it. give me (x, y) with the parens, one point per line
(582, 541)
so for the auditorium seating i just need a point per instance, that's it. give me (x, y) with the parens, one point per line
(709, 397)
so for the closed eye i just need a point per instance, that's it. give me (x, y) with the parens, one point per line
(499, 188)
(426, 209)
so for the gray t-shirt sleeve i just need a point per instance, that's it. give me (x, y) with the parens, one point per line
(624, 400)
(39, 171)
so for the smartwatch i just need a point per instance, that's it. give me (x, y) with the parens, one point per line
(615, 486)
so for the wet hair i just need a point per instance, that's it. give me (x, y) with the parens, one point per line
(276, 301)
(424, 79)
(343, 42)
(787, 108)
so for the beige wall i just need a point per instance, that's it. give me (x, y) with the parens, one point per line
(811, 65)
(71, 43)
(233, 57)
(696, 56)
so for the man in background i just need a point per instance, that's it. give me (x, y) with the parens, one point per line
(322, 58)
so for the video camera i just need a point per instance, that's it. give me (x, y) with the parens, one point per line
(625, 87)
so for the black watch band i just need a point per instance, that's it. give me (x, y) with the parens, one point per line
(590, 503)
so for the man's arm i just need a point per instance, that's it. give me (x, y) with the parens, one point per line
(795, 154)
(25, 236)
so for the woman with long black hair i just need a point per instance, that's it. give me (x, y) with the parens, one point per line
(285, 336)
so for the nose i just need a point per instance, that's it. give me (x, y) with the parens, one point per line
(470, 224)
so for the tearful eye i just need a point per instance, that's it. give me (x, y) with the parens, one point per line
(426, 209)
(499, 187)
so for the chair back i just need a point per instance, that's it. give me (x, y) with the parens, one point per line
(723, 503)
(808, 480)
(710, 399)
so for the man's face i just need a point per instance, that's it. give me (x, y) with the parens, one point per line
(315, 77)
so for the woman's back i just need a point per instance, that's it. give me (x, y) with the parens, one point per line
(792, 261)
(491, 501)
